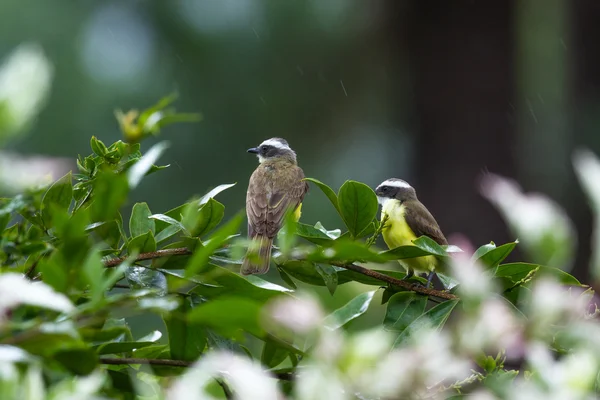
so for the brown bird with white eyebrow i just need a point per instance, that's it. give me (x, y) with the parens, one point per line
(275, 187)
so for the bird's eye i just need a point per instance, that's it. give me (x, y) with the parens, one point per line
(264, 149)
(385, 189)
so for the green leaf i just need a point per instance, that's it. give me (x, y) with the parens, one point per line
(286, 278)
(121, 347)
(272, 354)
(402, 309)
(435, 318)
(286, 238)
(109, 194)
(215, 281)
(351, 310)
(210, 215)
(93, 271)
(81, 361)
(228, 315)
(187, 340)
(304, 271)
(172, 228)
(329, 275)
(98, 147)
(143, 243)
(328, 192)
(404, 252)
(204, 199)
(57, 198)
(144, 164)
(313, 235)
(344, 250)
(482, 250)
(357, 205)
(429, 245)
(140, 221)
(199, 260)
(518, 271)
(494, 256)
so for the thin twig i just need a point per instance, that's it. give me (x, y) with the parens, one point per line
(148, 361)
(180, 251)
(353, 267)
(398, 282)
(30, 272)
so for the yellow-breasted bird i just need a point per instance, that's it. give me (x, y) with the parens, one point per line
(275, 187)
(408, 219)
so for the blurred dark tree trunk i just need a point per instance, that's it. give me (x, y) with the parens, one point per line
(585, 105)
(461, 56)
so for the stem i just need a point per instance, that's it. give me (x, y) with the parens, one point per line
(398, 282)
(353, 267)
(148, 361)
(181, 251)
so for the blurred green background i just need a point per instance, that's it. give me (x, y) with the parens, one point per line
(432, 92)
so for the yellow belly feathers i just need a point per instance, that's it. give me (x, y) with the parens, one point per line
(398, 233)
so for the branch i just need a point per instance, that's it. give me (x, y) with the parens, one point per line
(182, 251)
(149, 361)
(398, 282)
(286, 376)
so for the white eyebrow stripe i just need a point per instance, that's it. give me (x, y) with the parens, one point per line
(396, 183)
(275, 143)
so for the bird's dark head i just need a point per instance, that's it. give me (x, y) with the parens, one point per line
(272, 149)
(395, 189)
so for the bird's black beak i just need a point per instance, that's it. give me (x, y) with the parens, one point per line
(253, 150)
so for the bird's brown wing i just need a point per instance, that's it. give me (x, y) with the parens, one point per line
(420, 220)
(270, 195)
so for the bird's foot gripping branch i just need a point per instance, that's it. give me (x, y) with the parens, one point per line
(75, 272)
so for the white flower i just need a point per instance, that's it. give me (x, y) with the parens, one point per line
(542, 226)
(246, 378)
(302, 314)
(25, 79)
(17, 290)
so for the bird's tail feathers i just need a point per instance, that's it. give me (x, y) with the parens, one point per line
(258, 257)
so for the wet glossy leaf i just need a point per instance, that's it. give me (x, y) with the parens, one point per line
(429, 245)
(329, 275)
(80, 361)
(204, 199)
(402, 309)
(200, 259)
(333, 198)
(57, 198)
(313, 235)
(173, 227)
(351, 310)
(110, 192)
(357, 205)
(121, 347)
(435, 318)
(228, 315)
(201, 220)
(496, 255)
(140, 221)
(186, 339)
(143, 166)
(518, 271)
(272, 355)
(143, 243)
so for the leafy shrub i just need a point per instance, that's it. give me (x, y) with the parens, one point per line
(74, 274)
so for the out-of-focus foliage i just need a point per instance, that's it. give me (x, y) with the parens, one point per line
(75, 275)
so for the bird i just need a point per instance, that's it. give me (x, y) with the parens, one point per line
(406, 219)
(276, 186)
